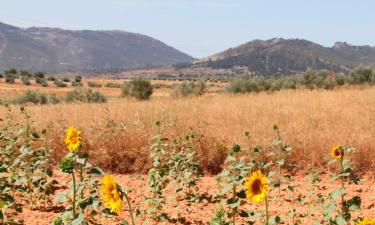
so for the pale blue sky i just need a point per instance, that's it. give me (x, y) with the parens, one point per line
(204, 27)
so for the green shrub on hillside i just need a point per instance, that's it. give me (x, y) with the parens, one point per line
(138, 88)
(93, 84)
(59, 83)
(85, 95)
(36, 98)
(189, 88)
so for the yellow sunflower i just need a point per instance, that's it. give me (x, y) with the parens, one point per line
(336, 152)
(73, 139)
(256, 187)
(366, 221)
(111, 195)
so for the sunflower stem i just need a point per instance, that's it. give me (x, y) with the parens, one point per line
(130, 208)
(74, 196)
(81, 178)
(267, 215)
(342, 182)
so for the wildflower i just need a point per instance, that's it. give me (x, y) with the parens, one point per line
(366, 221)
(111, 195)
(73, 139)
(256, 187)
(336, 152)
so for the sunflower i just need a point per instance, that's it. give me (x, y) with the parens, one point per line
(336, 152)
(111, 195)
(73, 139)
(256, 187)
(366, 221)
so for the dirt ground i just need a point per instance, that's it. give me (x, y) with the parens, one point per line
(202, 212)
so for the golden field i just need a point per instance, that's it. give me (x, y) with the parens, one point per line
(119, 132)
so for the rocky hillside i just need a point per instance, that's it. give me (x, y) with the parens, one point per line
(57, 50)
(287, 56)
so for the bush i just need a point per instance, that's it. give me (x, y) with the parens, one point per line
(93, 84)
(189, 88)
(10, 79)
(25, 80)
(36, 98)
(51, 78)
(85, 95)
(362, 75)
(41, 81)
(113, 85)
(25, 73)
(138, 88)
(59, 83)
(78, 79)
(340, 79)
(76, 84)
(39, 74)
(66, 80)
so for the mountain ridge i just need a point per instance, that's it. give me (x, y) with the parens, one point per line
(60, 50)
(279, 56)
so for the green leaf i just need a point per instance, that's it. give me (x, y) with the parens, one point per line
(86, 202)
(61, 197)
(354, 203)
(96, 171)
(79, 220)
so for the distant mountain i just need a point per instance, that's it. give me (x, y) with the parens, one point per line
(58, 50)
(288, 56)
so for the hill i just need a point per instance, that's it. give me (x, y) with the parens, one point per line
(58, 50)
(288, 56)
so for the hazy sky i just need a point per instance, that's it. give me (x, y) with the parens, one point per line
(204, 27)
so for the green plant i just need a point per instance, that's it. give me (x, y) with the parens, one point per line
(232, 195)
(84, 193)
(157, 179)
(93, 84)
(85, 95)
(184, 172)
(138, 88)
(59, 83)
(189, 88)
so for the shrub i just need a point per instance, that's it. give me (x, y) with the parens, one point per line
(93, 84)
(85, 95)
(10, 78)
(362, 74)
(340, 79)
(113, 85)
(25, 80)
(59, 83)
(78, 79)
(76, 84)
(41, 81)
(39, 74)
(25, 73)
(189, 88)
(36, 98)
(51, 78)
(66, 80)
(138, 88)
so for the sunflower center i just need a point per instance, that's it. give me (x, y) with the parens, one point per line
(256, 187)
(337, 152)
(74, 138)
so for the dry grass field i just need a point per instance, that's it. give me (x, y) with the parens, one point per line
(311, 122)
(119, 138)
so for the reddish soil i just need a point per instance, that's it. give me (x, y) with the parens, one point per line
(202, 212)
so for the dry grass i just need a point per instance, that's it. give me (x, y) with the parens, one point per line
(118, 133)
